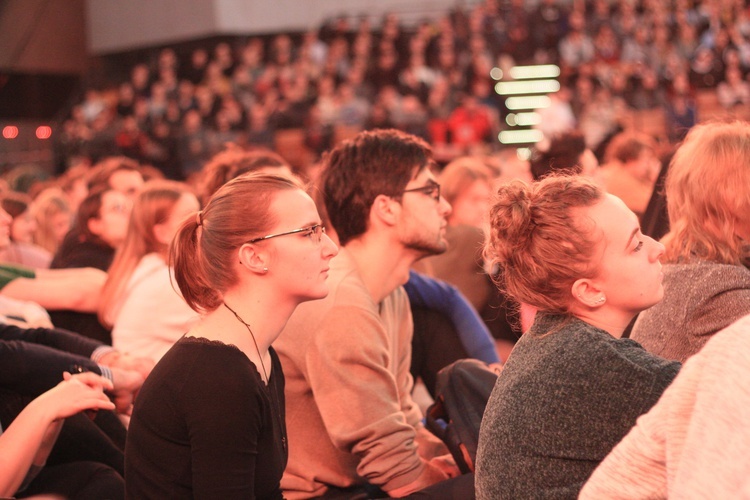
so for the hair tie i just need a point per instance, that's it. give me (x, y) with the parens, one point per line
(199, 218)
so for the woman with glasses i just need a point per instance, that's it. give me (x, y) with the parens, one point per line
(210, 420)
(138, 301)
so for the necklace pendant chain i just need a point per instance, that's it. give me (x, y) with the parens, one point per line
(257, 349)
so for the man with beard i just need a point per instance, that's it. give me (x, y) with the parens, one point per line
(353, 427)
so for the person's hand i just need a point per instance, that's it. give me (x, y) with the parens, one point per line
(446, 464)
(497, 368)
(75, 394)
(116, 359)
(127, 383)
(431, 474)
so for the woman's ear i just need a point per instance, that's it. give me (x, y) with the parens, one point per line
(587, 294)
(252, 259)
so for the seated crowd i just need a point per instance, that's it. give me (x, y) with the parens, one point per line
(186, 298)
(229, 324)
(648, 65)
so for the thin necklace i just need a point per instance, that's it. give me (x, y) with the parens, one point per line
(262, 365)
(268, 381)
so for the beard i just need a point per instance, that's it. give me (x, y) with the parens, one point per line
(426, 244)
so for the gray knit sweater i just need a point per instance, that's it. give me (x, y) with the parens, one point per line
(562, 402)
(700, 299)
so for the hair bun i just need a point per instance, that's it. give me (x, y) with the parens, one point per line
(511, 220)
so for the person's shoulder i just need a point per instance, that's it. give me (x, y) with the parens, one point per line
(705, 275)
(585, 343)
(192, 358)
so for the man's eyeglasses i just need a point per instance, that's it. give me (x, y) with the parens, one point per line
(432, 189)
(315, 233)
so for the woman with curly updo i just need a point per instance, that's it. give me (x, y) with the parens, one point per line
(572, 388)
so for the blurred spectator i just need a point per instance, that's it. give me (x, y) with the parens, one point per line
(631, 169)
(53, 218)
(299, 80)
(733, 91)
(566, 152)
(22, 249)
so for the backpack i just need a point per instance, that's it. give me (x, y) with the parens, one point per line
(461, 394)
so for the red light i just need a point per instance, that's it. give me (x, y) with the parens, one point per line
(43, 132)
(10, 132)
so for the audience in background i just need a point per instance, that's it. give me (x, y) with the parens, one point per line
(53, 218)
(100, 228)
(139, 280)
(630, 169)
(76, 289)
(21, 249)
(706, 276)
(431, 78)
(565, 152)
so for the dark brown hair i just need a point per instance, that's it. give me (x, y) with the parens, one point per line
(370, 164)
(562, 156)
(15, 203)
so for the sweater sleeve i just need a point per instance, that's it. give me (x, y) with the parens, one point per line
(636, 468)
(359, 399)
(428, 292)
(31, 369)
(56, 338)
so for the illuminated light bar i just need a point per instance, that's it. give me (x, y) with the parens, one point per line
(43, 132)
(523, 119)
(520, 136)
(496, 74)
(528, 102)
(10, 132)
(539, 71)
(527, 87)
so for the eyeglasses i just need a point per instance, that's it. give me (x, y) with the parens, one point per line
(315, 233)
(432, 189)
